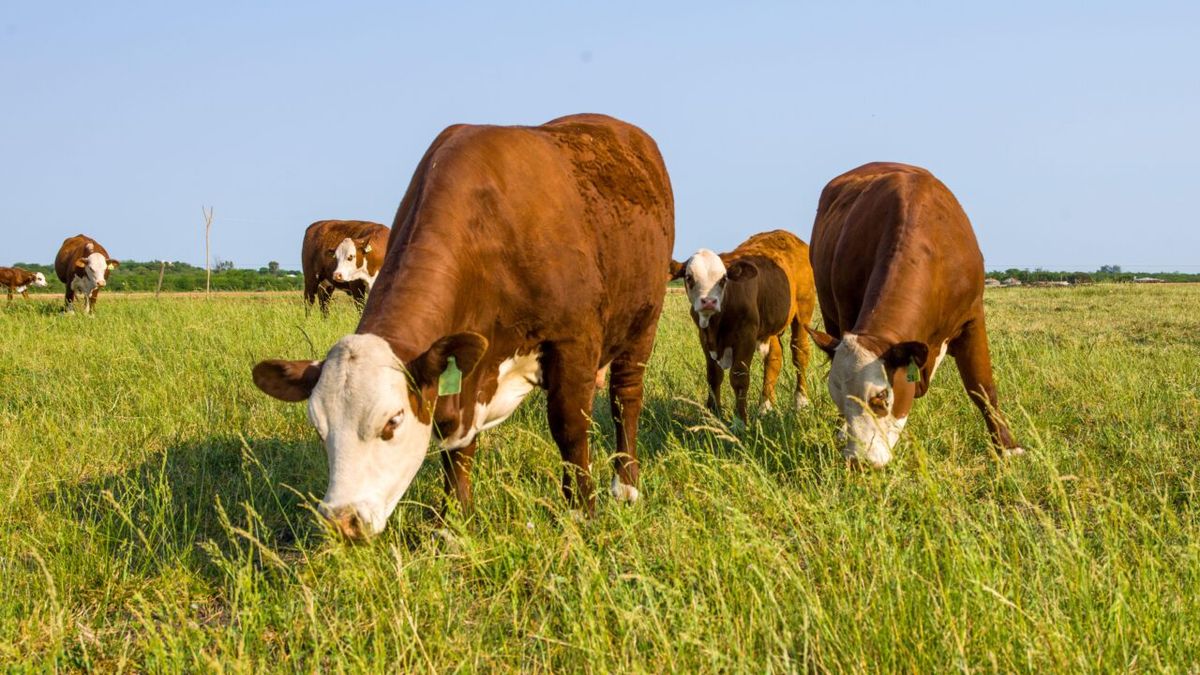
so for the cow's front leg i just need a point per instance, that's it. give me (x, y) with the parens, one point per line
(739, 375)
(570, 376)
(716, 375)
(457, 465)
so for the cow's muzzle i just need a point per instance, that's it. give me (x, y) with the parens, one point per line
(348, 522)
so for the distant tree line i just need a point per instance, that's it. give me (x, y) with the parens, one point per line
(1106, 273)
(180, 276)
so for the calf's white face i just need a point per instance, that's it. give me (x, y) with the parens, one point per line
(348, 254)
(704, 278)
(362, 401)
(860, 386)
(39, 280)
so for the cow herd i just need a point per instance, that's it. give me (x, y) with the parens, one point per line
(537, 257)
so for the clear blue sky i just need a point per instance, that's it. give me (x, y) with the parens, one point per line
(1069, 131)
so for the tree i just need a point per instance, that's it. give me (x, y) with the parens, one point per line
(1110, 269)
(273, 267)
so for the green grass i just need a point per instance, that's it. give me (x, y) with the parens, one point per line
(156, 512)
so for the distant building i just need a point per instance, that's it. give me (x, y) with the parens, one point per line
(1011, 281)
(991, 283)
(1148, 280)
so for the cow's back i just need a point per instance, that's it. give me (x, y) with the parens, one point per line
(560, 229)
(891, 241)
(72, 249)
(787, 251)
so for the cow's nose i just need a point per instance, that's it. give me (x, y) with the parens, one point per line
(101, 283)
(337, 276)
(347, 522)
(708, 303)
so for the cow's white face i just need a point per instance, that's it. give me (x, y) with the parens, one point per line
(373, 438)
(860, 387)
(39, 280)
(96, 269)
(704, 278)
(348, 255)
(363, 400)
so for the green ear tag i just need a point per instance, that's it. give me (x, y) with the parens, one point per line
(913, 374)
(450, 381)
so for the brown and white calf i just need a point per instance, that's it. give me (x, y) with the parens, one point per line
(744, 300)
(83, 266)
(17, 280)
(341, 255)
(899, 277)
(522, 257)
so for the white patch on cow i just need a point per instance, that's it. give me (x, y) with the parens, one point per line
(363, 386)
(622, 492)
(938, 361)
(516, 377)
(801, 400)
(726, 361)
(704, 277)
(855, 376)
(21, 289)
(764, 348)
(712, 354)
(348, 268)
(766, 407)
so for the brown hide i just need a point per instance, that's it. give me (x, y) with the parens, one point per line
(551, 239)
(73, 250)
(318, 265)
(896, 262)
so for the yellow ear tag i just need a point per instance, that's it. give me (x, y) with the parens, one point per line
(450, 381)
(111, 266)
(367, 248)
(913, 373)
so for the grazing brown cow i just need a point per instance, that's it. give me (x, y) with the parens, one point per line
(900, 279)
(17, 280)
(341, 254)
(83, 266)
(746, 299)
(524, 257)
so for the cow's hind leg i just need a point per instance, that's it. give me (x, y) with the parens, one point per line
(800, 355)
(970, 352)
(625, 393)
(772, 364)
(570, 376)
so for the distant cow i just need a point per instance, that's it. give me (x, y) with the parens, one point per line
(341, 254)
(899, 277)
(17, 280)
(83, 266)
(746, 299)
(523, 257)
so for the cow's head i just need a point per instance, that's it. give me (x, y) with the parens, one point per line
(870, 385)
(39, 280)
(94, 267)
(705, 277)
(374, 415)
(350, 259)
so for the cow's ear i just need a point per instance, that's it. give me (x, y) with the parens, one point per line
(364, 244)
(675, 270)
(741, 271)
(466, 348)
(81, 263)
(901, 354)
(825, 341)
(290, 381)
(113, 264)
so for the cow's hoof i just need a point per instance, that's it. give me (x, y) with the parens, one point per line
(802, 402)
(447, 539)
(1013, 451)
(627, 494)
(766, 407)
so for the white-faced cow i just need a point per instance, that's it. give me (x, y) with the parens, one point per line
(17, 280)
(341, 255)
(899, 277)
(83, 266)
(522, 257)
(744, 300)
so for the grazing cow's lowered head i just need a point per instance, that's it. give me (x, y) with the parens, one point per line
(39, 280)
(374, 415)
(350, 258)
(91, 270)
(873, 387)
(705, 277)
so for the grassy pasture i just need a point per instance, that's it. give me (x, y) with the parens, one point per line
(155, 512)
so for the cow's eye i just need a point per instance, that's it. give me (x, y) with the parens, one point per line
(689, 280)
(389, 429)
(879, 402)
